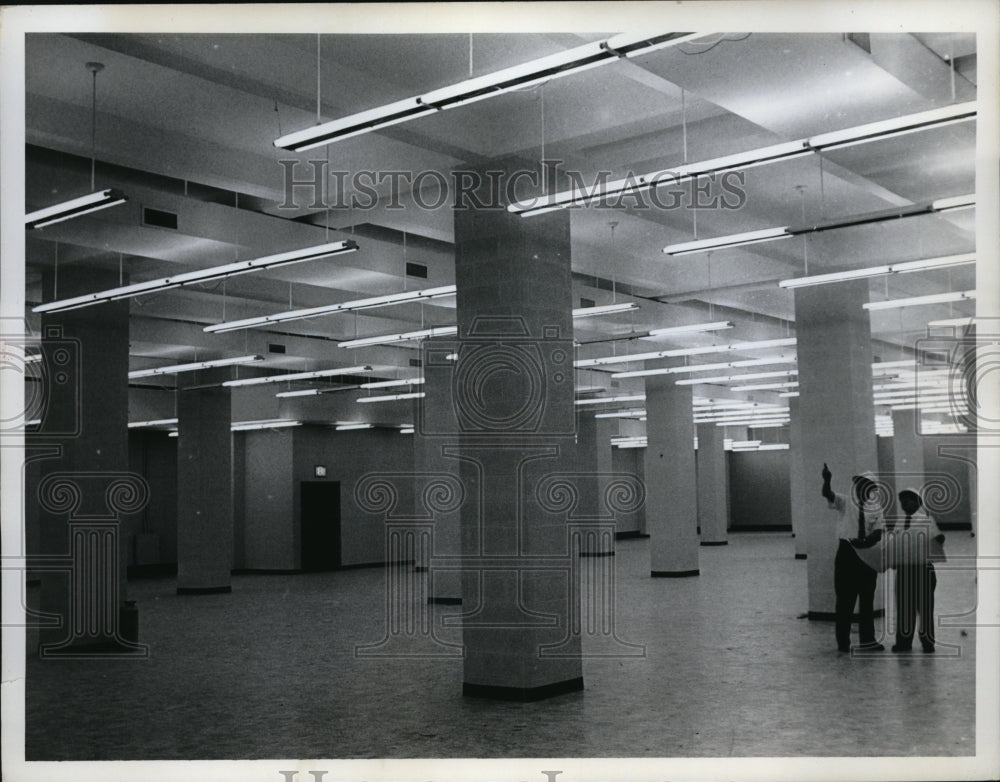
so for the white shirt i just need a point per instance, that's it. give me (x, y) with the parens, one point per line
(847, 524)
(915, 544)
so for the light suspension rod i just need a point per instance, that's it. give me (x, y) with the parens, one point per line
(177, 368)
(518, 77)
(202, 275)
(328, 309)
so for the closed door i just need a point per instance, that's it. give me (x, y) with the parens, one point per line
(320, 508)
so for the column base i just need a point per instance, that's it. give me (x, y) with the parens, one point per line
(673, 573)
(220, 590)
(714, 543)
(522, 694)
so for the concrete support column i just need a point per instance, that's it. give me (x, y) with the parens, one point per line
(434, 442)
(800, 487)
(908, 449)
(837, 416)
(86, 487)
(592, 482)
(204, 485)
(671, 492)
(713, 485)
(513, 394)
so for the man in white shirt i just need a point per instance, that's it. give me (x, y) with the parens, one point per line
(858, 560)
(915, 543)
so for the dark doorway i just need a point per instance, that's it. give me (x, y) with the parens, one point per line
(320, 510)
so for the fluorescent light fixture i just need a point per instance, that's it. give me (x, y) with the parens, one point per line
(775, 153)
(916, 301)
(255, 381)
(736, 378)
(75, 207)
(766, 424)
(745, 443)
(772, 447)
(878, 271)
(275, 423)
(391, 397)
(690, 328)
(733, 240)
(965, 322)
(770, 234)
(601, 400)
(788, 394)
(590, 389)
(947, 115)
(746, 422)
(173, 434)
(202, 275)
(406, 430)
(621, 414)
(177, 368)
(328, 309)
(317, 391)
(406, 381)
(155, 422)
(696, 351)
(749, 362)
(518, 77)
(32, 358)
(766, 386)
(387, 339)
(877, 366)
(351, 427)
(605, 309)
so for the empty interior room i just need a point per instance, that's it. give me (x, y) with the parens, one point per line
(450, 395)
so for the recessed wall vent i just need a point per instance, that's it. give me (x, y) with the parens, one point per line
(158, 218)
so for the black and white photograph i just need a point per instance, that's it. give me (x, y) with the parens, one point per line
(535, 392)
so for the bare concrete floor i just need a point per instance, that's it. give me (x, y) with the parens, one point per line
(730, 669)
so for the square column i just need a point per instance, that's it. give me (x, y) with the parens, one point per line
(837, 416)
(512, 393)
(671, 488)
(800, 487)
(204, 484)
(713, 485)
(908, 450)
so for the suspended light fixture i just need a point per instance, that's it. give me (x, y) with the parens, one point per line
(97, 200)
(605, 309)
(749, 362)
(916, 301)
(152, 424)
(783, 232)
(255, 381)
(329, 309)
(879, 271)
(351, 427)
(775, 153)
(518, 77)
(603, 400)
(408, 381)
(202, 275)
(676, 352)
(736, 378)
(275, 423)
(386, 339)
(391, 397)
(194, 365)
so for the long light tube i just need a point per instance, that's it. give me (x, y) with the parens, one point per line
(391, 397)
(621, 414)
(736, 378)
(719, 325)
(916, 301)
(601, 400)
(149, 424)
(254, 381)
(521, 76)
(605, 309)
(248, 426)
(775, 153)
(202, 275)
(783, 232)
(696, 351)
(766, 386)
(406, 381)
(387, 339)
(328, 309)
(351, 427)
(316, 391)
(879, 271)
(749, 362)
(177, 368)
(75, 207)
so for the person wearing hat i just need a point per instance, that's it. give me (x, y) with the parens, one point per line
(858, 560)
(916, 544)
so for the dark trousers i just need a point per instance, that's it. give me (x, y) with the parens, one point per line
(853, 582)
(915, 586)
